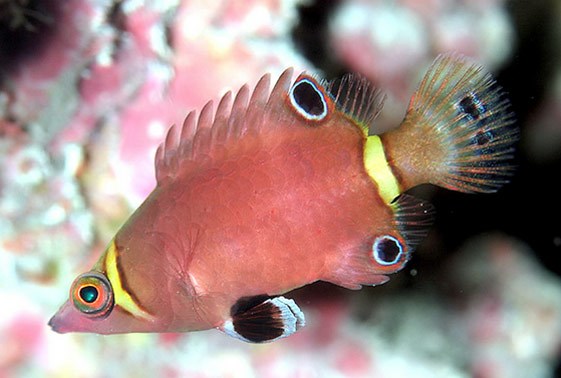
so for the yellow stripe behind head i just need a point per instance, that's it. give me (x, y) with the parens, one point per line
(122, 297)
(379, 169)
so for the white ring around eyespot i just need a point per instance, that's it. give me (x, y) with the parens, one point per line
(318, 117)
(375, 250)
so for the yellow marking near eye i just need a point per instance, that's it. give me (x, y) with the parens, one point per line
(122, 297)
(379, 169)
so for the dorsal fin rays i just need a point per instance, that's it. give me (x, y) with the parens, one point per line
(245, 113)
(204, 136)
(358, 98)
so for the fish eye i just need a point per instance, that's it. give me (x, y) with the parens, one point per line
(387, 250)
(308, 100)
(92, 294)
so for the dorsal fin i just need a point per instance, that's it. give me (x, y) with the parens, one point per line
(357, 97)
(200, 137)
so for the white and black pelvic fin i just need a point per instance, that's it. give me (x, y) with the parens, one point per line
(263, 319)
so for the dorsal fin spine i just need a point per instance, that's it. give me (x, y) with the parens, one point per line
(203, 136)
(220, 134)
(235, 124)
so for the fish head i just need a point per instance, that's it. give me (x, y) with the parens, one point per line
(126, 293)
(91, 308)
(81, 313)
(97, 305)
(142, 281)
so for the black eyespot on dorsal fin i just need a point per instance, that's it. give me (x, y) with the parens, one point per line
(307, 98)
(358, 98)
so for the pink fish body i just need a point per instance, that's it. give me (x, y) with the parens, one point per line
(278, 189)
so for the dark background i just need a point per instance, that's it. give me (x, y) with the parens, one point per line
(528, 208)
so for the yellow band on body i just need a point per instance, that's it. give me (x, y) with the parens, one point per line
(379, 170)
(122, 297)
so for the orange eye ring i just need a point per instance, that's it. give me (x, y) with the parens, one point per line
(92, 294)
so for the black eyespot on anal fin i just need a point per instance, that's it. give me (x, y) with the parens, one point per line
(263, 319)
(387, 250)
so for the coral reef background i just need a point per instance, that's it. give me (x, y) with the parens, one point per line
(88, 89)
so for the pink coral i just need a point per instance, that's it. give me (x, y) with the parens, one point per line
(79, 126)
(392, 42)
(202, 66)
(69, 37)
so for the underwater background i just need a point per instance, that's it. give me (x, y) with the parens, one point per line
(88, 89)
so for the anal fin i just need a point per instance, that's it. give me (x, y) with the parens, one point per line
(385, 251)
(263, 319)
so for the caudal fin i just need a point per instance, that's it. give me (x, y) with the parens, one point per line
(458, 132)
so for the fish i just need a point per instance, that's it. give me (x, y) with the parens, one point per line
(279, 188)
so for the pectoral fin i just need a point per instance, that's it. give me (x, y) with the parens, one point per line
(263, 319)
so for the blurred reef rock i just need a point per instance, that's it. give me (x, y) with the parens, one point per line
(88, 89)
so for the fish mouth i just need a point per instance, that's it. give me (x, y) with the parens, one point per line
(52, 324)
(56, 325)
(59, 321)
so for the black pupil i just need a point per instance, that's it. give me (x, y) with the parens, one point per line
(88, 294)
(308, 98)
(388, 250)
